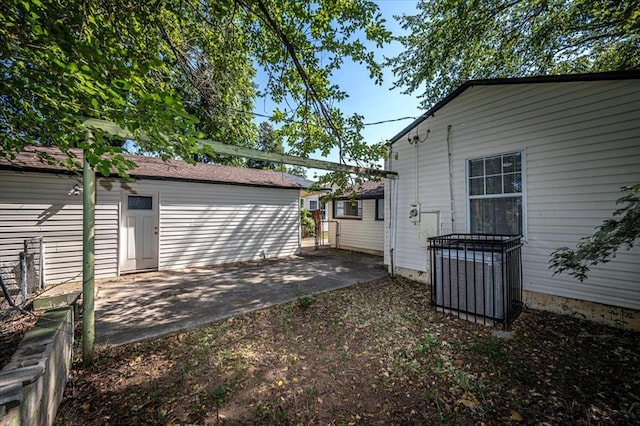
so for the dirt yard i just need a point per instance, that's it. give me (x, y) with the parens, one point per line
(373, 353)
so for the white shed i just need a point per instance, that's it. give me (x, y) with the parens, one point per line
(358, 224)
(544, 157)
(174, 215)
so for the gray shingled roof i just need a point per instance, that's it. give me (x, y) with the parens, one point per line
(155, 168)
(303, 182)
(367, 190)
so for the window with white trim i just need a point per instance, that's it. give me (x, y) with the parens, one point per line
(347, 209)
(313, 205)
(495, 194)
(380, 209)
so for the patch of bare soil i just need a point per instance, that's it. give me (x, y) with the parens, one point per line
(374, 353)
(14, 323)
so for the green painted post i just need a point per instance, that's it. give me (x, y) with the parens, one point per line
(88, 258)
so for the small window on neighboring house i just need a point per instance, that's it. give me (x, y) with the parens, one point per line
(323, 209)
(495, 194)
(348, 209)
(302, 203)
(313, 205)
(380, 209)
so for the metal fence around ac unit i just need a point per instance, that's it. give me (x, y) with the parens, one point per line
(477, 276)
(23, 274)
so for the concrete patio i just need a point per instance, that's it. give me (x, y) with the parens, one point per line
(137, 307)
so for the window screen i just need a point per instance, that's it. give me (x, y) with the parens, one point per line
(495, 194)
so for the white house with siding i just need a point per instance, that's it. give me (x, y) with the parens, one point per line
(174, 215)
(312, 201)
(544, 157)
(358, 224)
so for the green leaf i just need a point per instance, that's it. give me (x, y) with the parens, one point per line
(104, 167)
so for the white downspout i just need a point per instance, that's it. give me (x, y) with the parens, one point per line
(394, 223)
(393, 210)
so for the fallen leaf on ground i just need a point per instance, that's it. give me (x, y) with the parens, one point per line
(469, 401)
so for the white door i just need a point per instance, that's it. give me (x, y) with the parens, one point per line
(139, 232)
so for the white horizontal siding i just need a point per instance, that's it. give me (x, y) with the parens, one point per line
(359, 234)
(38, 204)
(581, 143)
(208, 224)
(422, 179)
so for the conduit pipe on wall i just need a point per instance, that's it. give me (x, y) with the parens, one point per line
(393, 211)
(394, 223)
(450, 158)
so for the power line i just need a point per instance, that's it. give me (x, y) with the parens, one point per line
(389, 121)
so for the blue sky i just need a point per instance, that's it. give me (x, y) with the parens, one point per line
(375, 103)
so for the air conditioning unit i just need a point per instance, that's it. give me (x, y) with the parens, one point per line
(470, 281)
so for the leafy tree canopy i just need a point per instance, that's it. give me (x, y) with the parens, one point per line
(452, 41)
(177, 70)
(268, 141)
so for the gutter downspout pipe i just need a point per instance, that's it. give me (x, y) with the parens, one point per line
(393, 210)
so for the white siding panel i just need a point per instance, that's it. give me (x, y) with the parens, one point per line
(364, 234)
(422, 178)
(581, 143)
(204, 224)
(38, 204)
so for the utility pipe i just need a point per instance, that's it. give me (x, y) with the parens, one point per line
(393, 211)
(450, 158)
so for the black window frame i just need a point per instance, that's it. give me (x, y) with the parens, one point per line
(343, 216)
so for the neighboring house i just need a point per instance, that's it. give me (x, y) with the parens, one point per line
(358, 223)
(174, 215)
(312, 201)
(544, 157)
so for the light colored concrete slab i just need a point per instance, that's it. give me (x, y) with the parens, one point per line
(143, 306)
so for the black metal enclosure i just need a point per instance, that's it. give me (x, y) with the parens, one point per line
(477, 276)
